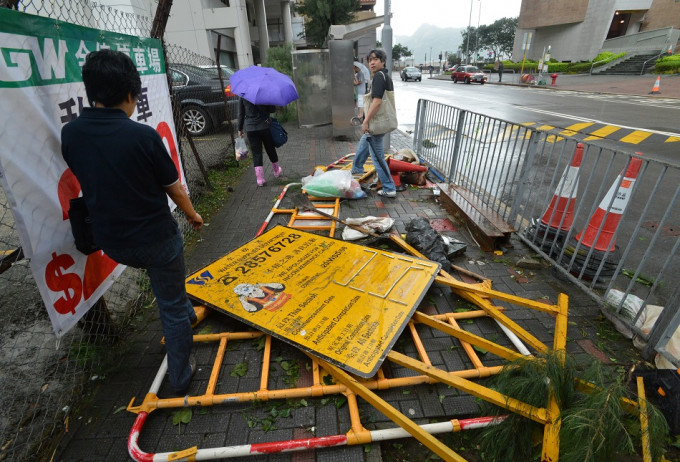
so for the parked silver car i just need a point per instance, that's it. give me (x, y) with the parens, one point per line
(411, 73)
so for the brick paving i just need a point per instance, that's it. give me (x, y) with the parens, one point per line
(100, 430)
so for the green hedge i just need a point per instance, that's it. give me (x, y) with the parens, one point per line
(607, 57)
(668, 65)
(558, 67)
(553, 66)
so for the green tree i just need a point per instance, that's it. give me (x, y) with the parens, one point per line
(468, 47)
(400, 51)
(500, 36)
(280, 58)
(321, 14)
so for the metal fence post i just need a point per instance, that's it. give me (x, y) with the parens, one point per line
(420, 127)
(456, 144)
(523, 177)
(664, 328)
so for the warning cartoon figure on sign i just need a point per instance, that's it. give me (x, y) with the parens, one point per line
(254, 297)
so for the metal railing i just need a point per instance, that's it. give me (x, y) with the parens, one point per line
(642, 72)
(603, 221)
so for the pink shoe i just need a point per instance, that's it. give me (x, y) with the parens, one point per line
(277, 169)
(259, 174)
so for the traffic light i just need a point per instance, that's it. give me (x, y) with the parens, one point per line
(440, 56)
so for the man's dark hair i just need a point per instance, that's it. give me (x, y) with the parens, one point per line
(380, 54)
(109, 76)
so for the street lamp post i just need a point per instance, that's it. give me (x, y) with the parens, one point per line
(479, 17)
(387, 44)
(467, 45)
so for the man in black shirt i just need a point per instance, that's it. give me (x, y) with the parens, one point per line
(126, 174)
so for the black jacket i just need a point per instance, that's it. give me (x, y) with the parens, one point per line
(253, 117)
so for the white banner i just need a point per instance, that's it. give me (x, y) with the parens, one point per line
(41, 90)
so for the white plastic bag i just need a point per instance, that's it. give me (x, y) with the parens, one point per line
(241, 149)
(375, 224)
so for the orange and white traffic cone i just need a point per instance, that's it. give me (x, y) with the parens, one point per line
(602, 225)
(559, 215)
(596, 257)
(657, 85)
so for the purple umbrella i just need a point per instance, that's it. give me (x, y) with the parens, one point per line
(263, 85)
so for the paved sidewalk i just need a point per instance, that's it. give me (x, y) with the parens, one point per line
(99, 432)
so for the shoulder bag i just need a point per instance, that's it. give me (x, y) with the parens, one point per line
(385, 120)
(279, 134)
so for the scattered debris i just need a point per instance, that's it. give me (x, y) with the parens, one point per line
(528, 263)
(427, 241)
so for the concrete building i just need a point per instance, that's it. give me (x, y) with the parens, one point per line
(366, 42)
(577, 30)
(247, 27)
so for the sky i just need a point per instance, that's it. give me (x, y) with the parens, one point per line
(408, 15)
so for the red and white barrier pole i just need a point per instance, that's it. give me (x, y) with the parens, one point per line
(271, 213)
(293, 445)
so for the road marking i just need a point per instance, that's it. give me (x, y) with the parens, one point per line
(672, 139)
(582, 119)
(636, 137)
(602, 132)
(635, 100)
(576, 128)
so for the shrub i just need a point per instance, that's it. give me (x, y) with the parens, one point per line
(604, 56)
(580, 67)
(668, 64)
(558, 67)
(529, 66)
(281, 59)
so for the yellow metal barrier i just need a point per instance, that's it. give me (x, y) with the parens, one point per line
(480, 294)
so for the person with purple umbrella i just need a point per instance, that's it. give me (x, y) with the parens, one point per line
(261, 89)
(255, 119)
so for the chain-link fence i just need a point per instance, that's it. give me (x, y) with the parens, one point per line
(42, 377)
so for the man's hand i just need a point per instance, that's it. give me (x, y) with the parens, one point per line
(179, 196)
(196, 221)
(364, 126)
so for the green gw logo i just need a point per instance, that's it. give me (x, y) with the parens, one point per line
(22, 55)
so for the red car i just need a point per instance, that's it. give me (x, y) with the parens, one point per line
(468, 74)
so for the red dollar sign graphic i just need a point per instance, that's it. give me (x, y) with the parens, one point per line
(69, 283)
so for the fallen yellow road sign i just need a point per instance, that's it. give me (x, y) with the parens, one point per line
(340, 301)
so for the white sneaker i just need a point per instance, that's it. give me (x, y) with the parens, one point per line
(384, 193)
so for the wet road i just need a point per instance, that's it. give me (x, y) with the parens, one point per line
(621, 122)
